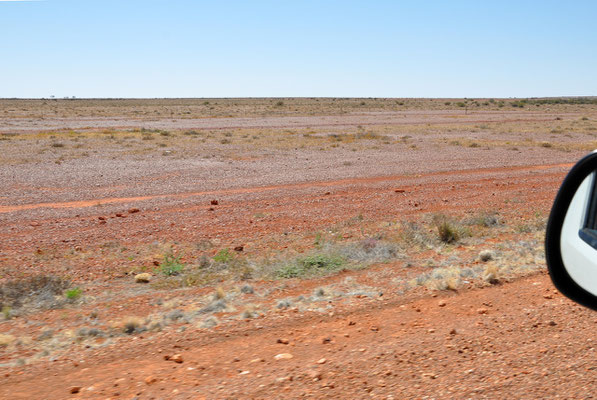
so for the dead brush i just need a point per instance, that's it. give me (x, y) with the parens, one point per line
(40, 291)
(492, 274)
(449, 230)
(6, 340)
(130, 325)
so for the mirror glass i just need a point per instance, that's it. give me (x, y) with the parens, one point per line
(578, 239)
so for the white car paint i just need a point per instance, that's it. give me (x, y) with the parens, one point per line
(580, 259)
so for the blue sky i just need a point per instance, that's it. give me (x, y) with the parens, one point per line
(183, 48)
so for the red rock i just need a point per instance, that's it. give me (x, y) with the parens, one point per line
(214, 202)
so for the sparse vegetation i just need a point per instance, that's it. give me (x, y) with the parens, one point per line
(310, 266)
(40, 291)
(73, 294)
(223, 256)
(447, 232)
(171, 265)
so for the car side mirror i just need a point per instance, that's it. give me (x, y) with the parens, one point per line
(571, 235)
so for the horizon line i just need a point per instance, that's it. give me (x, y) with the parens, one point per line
(288, 97)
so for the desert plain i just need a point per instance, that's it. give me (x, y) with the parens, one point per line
(287, 248)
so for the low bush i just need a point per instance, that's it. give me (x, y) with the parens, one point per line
(171, 265)
(310, 266)
(41, 291)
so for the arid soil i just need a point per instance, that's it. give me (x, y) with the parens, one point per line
(322, 248)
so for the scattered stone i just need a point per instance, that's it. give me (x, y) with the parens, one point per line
(326, 340)
(284, 379)
(150, 379)
(120, 215)
(453, 331)
(177, 358)
(283, 356)
(322, 361)
(244, 372)
(486, 255)
(552, 323)
(315, 375)
(399, 190)
(101, 218)
(75, 389)
(239, 248)
(283, 341)
(482, 310)
(133, 210)
(441, 303)
(34, 223)
(144, 277)
(214, 202)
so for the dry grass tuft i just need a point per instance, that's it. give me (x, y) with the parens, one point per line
(6, 340)
(492, 274)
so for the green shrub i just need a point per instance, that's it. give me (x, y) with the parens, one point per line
(223, 256)
(171, 265)
(311, 265)
(73, 294)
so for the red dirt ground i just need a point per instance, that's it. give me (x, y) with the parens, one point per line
(518, 339)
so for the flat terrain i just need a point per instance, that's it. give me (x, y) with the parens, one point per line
(322, 248)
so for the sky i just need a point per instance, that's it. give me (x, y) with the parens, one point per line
(319, 48)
